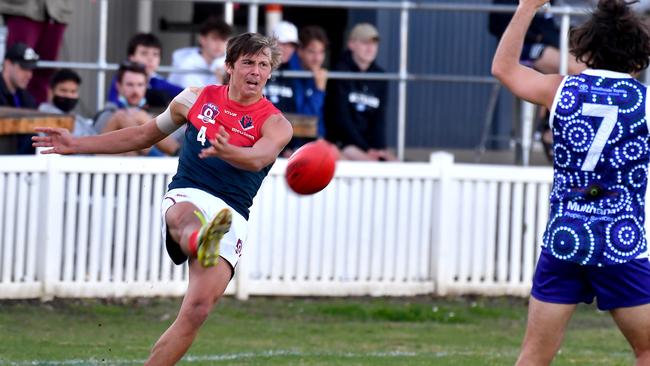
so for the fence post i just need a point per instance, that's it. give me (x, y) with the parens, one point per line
(444, 223)
(51, 234)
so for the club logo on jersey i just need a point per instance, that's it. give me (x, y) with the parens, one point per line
(246, 122)
(208, 113)
(238, 247)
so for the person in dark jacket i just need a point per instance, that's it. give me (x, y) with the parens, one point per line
(17, 70)
(309, 93)
(355, 113)
(280, 89)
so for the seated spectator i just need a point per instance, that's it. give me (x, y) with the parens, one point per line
(63, 96)
(279, 89)
(146, 49)
(309, 94)
(355, 115)
(131, 108)
(209, 56)
(20, 60)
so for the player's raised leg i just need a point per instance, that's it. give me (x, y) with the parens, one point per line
(194, 234)
(544, 332)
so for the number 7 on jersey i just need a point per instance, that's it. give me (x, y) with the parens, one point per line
(610, 115)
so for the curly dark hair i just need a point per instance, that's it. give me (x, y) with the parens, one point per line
(614, 38)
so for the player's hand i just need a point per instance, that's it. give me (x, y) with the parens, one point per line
(220, 145)
(381, 155)
(58, 139)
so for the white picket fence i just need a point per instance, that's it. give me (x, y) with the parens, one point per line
(89, 227)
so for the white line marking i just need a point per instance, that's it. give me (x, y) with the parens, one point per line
(272, 353)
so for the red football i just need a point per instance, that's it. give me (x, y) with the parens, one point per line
(311, 167)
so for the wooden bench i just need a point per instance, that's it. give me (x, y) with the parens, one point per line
(18, 121)
(23, 121)
(304, 126)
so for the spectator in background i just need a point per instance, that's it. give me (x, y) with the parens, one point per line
(356, 109)
(17, 67)
(279, 89)
(39, 24)
(63, 97)
(542, 44)
(131, 109)
(541, 51)
(209, 56)
(309, 94)
(146, 49)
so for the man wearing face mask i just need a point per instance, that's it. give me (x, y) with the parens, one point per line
(63, 96)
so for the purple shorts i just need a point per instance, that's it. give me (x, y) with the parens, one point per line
(617, 286)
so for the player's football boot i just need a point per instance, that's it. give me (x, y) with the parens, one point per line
(210, 236)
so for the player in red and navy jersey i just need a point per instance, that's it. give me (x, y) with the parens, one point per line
(233, 137)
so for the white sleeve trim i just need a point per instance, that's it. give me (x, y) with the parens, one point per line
(187, 97)
(556, 99)
(165, 122)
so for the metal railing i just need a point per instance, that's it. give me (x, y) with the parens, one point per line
(402, 76)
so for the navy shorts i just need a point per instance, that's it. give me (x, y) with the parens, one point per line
(616, 286)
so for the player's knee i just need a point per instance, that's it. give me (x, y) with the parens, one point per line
(198, 311)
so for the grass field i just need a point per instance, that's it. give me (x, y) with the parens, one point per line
(282, 331)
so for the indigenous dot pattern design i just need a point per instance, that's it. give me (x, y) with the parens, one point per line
(597, 215)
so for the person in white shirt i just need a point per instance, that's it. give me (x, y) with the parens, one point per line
(208, 59)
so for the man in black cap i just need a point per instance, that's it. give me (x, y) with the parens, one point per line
(20, 61)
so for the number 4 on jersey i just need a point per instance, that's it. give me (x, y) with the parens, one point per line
(610, 115)
(201, 135)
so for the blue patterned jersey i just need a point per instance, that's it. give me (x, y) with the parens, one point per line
(600, 142)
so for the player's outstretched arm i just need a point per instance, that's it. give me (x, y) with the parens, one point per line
(276, 134)
(60, 141)
(524, 82)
